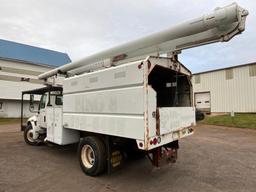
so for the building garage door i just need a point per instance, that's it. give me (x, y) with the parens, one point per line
(202, 101)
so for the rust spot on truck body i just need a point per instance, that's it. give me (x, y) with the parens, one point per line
(157, 122)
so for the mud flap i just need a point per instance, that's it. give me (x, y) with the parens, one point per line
(114, 156)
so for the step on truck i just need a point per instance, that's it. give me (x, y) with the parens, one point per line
(126, 101)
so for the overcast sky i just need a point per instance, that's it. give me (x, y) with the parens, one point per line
(83, 27)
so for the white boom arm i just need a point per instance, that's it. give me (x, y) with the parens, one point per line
(219, 26)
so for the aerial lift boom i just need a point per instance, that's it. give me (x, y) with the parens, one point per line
(219, 26)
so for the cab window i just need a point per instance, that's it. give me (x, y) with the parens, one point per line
(42, 102)
(58, 100)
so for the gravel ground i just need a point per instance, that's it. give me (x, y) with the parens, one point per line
(213, 159)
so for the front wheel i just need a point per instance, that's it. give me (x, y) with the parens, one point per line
(28, 135)
(92, 155)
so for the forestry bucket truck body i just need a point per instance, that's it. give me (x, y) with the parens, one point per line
(127, 100)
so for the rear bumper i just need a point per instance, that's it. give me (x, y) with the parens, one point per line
(157, 141)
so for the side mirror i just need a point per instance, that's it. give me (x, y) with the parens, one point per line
(31, 103)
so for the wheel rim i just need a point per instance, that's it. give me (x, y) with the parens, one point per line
(87, 156)
(30, 136)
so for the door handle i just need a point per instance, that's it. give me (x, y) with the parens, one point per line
(44, 119)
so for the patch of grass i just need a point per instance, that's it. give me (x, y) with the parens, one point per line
(240, 120)
(5, 121)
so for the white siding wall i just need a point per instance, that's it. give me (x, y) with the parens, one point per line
(237, 94)
(25, 66)
(11, 86)
(12, 109)
(12, 89)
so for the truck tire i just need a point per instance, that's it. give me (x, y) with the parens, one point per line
(92, 155)
(28, 136)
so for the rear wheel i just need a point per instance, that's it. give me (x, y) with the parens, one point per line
(92, 155)
(28, 135)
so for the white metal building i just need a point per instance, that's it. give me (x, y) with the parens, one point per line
(226, 90)
(19, 67)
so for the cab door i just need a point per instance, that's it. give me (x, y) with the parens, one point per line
(51, 119)
(42, 112)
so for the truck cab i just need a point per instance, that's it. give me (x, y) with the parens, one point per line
(46, 123)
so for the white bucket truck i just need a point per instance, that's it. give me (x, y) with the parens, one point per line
(121, 102)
